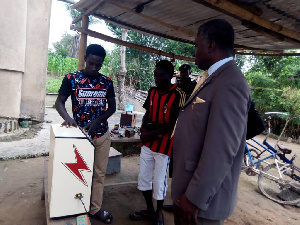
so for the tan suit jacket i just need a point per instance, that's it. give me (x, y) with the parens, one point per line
(209, 143)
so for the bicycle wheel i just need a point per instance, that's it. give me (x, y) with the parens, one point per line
(285, 190)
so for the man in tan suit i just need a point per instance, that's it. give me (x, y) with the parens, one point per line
(209, 139)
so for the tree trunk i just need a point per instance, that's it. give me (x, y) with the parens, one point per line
(121, 104)
(75, 47)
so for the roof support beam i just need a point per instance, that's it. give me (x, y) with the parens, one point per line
(187, 32)
(130, 45)
(268, 54)
(83, 43)
(89, 11)
(139, 29)
(243, 14)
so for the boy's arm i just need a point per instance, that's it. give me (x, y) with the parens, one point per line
(148, 135)
(61, 109)
(92, 125)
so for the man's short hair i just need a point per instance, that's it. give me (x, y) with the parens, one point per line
(184, 67)
(219, 31)
(167, 66)
(95, 49)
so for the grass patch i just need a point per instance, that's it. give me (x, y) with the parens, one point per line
(53, 84)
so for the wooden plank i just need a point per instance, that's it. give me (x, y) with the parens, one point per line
(62, 221)
(243, 14)
(130, 45)
(268, 54)
(83, 43)
(134, 139)
(88, 12)
(187, 32)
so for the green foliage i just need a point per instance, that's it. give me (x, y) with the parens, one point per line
(140, 64)
(291, 101)
(64, 46)
(240, 61)
(275, 87)
(59, 65)
(53, 84)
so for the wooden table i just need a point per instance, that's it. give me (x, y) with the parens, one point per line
(116, 139)
(125, 145)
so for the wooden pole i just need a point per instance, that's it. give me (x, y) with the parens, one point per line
(268, 54)
(130, 45)
(122, 75)
(83, 43)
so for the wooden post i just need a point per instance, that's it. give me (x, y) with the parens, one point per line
(121, 105)
(83, 43)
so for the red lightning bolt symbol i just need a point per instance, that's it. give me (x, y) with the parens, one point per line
(77, 167)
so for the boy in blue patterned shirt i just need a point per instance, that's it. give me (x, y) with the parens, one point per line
(90, 91)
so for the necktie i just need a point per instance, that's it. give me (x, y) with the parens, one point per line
(200, 82)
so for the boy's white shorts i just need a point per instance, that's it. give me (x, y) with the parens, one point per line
(153, 164)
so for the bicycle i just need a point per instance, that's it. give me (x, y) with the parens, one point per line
(278, 180)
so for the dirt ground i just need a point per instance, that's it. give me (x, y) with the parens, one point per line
(21, 183)
(21, 204)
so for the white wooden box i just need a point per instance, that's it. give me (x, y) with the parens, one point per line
(70, 171)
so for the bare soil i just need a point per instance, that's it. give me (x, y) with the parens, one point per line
(21, 187)
(21, 183)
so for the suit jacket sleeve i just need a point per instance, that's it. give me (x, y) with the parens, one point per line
(225, 131)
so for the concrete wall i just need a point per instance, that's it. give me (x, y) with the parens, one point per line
(12, 55)
(23, 57)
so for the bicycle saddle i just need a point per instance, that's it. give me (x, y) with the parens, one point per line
(285, 150)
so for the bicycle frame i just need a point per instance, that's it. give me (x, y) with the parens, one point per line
(267, 147)
(255, 163)
(285, 169)
(282, 167)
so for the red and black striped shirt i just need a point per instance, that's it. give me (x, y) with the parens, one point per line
(164, 108)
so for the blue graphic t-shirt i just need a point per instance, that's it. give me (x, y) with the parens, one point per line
(89, 96)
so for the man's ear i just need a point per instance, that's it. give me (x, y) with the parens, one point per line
(211, 46)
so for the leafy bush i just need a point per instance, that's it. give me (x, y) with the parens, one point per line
(60, 66)
(53, 84)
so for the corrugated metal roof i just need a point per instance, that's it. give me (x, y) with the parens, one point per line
(271, 25)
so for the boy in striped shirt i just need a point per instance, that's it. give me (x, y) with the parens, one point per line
(162, 108)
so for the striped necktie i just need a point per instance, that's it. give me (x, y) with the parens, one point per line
(200, 82)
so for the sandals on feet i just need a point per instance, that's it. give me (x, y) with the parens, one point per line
(140, 215)
(103, 216)
(160, 222)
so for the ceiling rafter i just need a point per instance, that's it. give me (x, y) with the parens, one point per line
(149, 32)
(89, 11)
(268, 54)
(139, 29)
(242, 14)
(182, 30)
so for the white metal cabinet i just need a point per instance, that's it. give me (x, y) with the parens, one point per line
(71, 161)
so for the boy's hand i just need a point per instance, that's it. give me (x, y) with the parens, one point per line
(69, 123)
(147, 135)
(91, 127)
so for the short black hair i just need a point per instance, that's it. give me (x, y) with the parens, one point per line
(167, 66)
(219, 31)
(95, 49)
(184, 67)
